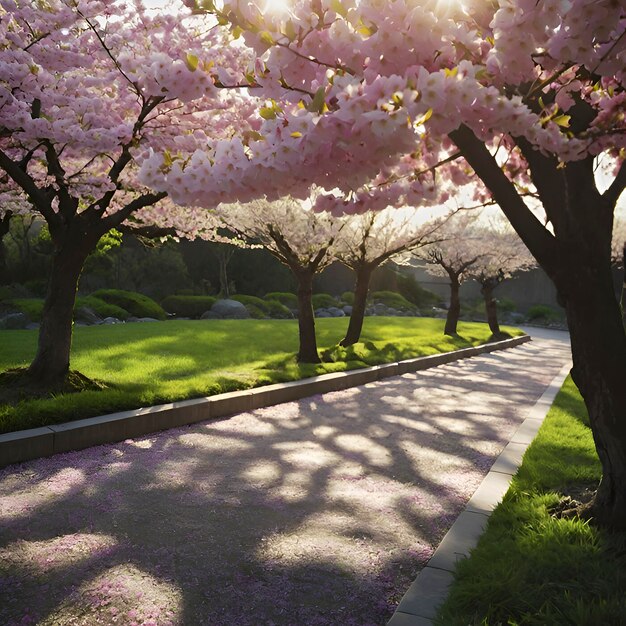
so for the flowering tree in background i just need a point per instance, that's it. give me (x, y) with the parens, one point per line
(501, 255)
(413, 96)
(369, 241)
(305, 241)
(452, 257)
(85, 87)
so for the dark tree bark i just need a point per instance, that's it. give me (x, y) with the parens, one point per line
(52, 361)
(491, 309)
(577, 259)
(307, 352)
(454, 310)
(623, 294)
(5, 224)
(355, 325)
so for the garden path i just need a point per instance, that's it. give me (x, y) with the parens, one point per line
(316, 512)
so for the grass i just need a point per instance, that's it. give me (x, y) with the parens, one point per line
(157, 362)
(531, 568)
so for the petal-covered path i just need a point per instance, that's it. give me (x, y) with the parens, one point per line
(317, 512)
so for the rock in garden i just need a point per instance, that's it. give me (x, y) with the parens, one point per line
(111, 320)
(87, 316)
(335, 311)
(347, 309)
(322, 313)
(14, 321)
(230, 310)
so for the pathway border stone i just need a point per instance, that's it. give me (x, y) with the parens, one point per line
(30, 444)
(429, 590)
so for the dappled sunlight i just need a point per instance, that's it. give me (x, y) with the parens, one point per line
(319, 511)
(124, 594)
(39, 557)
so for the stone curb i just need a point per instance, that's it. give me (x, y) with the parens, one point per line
(420, 603)
(30, 444)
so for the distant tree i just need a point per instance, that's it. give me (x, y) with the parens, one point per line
(304, 241)
(452, 258)
(372, 239)
(501, 255)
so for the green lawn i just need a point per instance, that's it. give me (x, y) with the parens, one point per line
(531, 568)
(159, 362)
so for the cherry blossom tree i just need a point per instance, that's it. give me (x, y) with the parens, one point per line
(399, 99)
(501, 255)
(452, 257)
(372, 239)
(85, 88)
(305, 241)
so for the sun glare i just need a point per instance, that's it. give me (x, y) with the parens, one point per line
(276, 7)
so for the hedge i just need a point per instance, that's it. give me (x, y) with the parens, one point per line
(136, 304)
(188, 306)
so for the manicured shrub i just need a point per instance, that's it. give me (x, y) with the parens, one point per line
(32, 307)
(323, 301)
(506, 305)
(136, 304)
(101, 308)
(188, 306)
(412, 291)
(255, 312)
(289, 300)
(347, 297)
(542, 313)
(278, 311)
(392, 299)
(259, 303)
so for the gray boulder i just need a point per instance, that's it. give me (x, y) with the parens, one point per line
(32, 326)
(111, 320)
(229, 310)
(335, 311)
(347, 309)
(141, 319)
(322, 313)
(87, 316)
(14, 321)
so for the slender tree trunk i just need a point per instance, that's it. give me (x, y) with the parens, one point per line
(355, 326)
(5, 224)
(52, 361)
(454, 310)
(491, 309)
(307, 352)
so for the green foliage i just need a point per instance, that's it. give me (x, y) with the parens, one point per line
(255, 312)
(533, 568)
(414, 293)
(188, 306)
(136, 304)
(347, 297)
(289, 300)
(542, 313)
(323, 301)
(32, 307)
(506, 305)
(278, 311)
(144, 364)
(259, 303)
(101, 308)
(392, 299)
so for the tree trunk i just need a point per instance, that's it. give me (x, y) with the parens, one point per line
(599, 356)
(355, 326)
(454, 310)
(307, 352)
(52, 361)
(623, 294)
(491, 309)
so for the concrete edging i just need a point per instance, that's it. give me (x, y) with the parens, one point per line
(420, 603)
(30, 444)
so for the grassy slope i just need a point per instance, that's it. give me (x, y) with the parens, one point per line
(159, 362)
(531, 568)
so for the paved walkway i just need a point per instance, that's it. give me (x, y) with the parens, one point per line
(314, 512)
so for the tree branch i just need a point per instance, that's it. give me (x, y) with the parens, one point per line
(612, 194)
(114, 220)
(537, 238)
